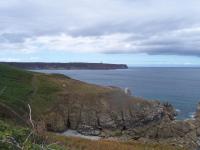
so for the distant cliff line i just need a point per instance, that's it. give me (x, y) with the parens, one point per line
(66, 66)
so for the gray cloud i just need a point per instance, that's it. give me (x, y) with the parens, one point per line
(106, 26)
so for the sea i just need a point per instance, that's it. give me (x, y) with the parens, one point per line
(179, 86)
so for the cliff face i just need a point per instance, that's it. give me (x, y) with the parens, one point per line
(95, 115)
(66, 66)
(184, 133)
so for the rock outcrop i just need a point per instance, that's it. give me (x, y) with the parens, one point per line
(132, 117)
(120, 113)
(185, 133)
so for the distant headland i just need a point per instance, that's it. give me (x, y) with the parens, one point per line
(66, 66)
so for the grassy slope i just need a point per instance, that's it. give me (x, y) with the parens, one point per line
(42, 91)
(16, 87)
(84, 144)
(19, 88)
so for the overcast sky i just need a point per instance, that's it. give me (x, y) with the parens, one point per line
(136, 32)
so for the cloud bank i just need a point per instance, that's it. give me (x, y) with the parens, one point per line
(106, 26)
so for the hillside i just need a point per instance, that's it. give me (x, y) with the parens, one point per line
(66, 66)
(59, 103)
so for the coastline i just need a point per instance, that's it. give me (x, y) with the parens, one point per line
(65, 66)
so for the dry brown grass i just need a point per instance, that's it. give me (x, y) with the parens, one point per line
(71, 143)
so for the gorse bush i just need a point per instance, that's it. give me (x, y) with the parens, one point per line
(18, 138)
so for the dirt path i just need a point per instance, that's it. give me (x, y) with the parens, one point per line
(73, 133)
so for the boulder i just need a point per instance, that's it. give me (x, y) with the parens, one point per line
(88, 130)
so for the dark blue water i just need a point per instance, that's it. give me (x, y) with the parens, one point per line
(179, 86)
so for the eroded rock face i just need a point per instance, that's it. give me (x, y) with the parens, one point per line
(117, 111)
(184, 133)
(56, 124)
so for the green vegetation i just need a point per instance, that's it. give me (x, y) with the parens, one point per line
(19, 88)
(19, 138)
(20, 141)
(84, 144)
(16, 87)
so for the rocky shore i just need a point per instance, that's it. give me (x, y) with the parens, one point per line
(154, 124)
